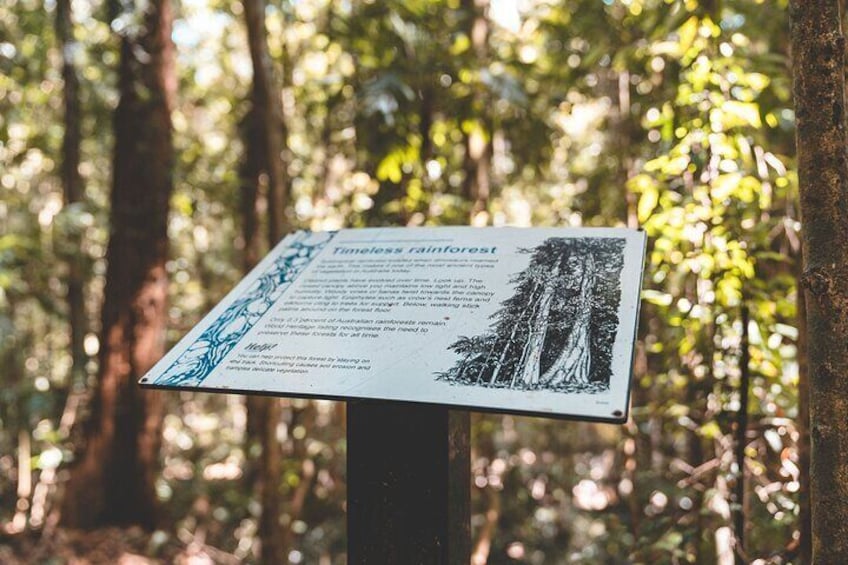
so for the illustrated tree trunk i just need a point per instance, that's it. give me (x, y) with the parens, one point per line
(113, 482)
(818, 48)
(530, 369)
(508, 346)
(72, 185)
(525, 350)
(263, 165)
(575, 361)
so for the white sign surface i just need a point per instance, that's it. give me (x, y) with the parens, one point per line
(538, 320)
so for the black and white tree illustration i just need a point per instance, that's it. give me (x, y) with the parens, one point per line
(556, 332)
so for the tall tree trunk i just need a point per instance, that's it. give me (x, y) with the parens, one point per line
(818, 48)
(268, 109)
(113, 483)
(263, 413)
(478, 149)
(72, 185)
(250, 172)
(266, 412)
(263, 162)
(520, 367)
(623, 128)
(298, 498)
(508, 346)
(530, 369)
(574, 363)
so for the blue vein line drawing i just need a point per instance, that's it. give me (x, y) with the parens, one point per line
(213, 345)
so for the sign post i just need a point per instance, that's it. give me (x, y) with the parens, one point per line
(408, 481)
(412, 326)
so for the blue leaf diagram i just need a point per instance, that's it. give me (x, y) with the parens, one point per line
(213, 345)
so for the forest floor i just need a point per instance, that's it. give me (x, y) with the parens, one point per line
(113, 546)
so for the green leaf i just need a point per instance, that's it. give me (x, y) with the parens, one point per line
(738, 114)
(647, 202)
(657, 297)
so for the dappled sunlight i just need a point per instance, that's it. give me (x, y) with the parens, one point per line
(589, 496)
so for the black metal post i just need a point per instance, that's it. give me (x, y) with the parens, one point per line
(408, 480)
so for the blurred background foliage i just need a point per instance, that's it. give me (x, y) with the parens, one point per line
(673, 115)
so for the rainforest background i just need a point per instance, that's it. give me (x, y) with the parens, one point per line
(150, 152)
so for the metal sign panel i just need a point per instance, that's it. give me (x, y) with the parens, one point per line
(538, 321)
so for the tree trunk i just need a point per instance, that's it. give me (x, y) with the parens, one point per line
(113, 483)
(530, 369)
(818, 48)
(478, 149)
(525, 350)
(508, 346)
(268, 114)
(574, 363)
(266, 412)
(72, 185)
(624, 144)
(250, 172)
(263, 164)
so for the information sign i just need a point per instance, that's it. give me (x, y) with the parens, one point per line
(537, 320)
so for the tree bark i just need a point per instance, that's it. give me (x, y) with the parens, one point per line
(805, 546)
(72, 185)
(818, 48)
(113, 483)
